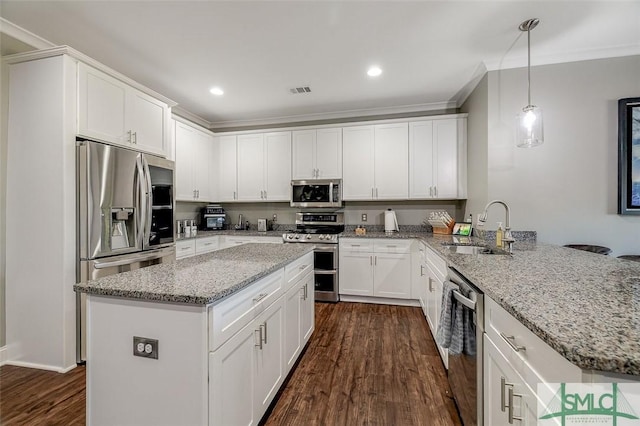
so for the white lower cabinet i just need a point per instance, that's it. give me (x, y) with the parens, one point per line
(507, 399)
(378, 268)
(435, 271)
(185, 248)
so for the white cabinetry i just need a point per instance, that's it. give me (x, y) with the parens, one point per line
(227, 168)
(375, 162)
(264, 166)
(207, 244)
(379, 268)
(317, 154)
(437, 159)
(185, 248)
(298, 307)
(436, 270)
(195, 157)
(110, 110)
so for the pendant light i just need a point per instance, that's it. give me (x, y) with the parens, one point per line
(529, 121)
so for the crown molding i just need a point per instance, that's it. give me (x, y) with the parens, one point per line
(334, 115)
(561, 58)
(25, 36)
(189, 116)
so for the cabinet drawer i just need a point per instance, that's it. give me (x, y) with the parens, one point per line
(297, 269)
(437, 264)
(392, 246)
(356, 245)
(537, 361)
(205, 245)
(185, 248)
(231, 314)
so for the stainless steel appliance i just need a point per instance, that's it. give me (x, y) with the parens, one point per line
(126, 215)
(213, 217)
(465, 369)
(321, 229)
(317, 193)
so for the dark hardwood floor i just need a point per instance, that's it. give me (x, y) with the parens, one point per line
(364, 365)
(367, 365)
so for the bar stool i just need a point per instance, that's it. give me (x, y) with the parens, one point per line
(634, 257)
(590, 248)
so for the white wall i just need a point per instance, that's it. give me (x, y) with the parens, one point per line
(567, 188)
(477, 145)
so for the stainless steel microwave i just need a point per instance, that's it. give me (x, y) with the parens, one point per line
(316, 193)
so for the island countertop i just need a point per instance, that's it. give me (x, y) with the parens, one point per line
(199, 280)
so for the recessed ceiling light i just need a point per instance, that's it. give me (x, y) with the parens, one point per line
(374, 71)
(216, 91)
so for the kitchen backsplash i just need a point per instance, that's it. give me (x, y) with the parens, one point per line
(408, 213)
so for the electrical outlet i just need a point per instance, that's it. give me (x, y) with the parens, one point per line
(364, 217)
(145, 347)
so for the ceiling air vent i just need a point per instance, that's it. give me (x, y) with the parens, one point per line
(298, 90)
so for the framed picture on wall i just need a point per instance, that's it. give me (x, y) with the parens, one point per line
(629, 156)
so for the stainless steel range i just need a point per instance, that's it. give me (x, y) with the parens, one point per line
(321, 229)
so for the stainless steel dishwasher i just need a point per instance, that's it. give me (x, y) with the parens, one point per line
(465, 368)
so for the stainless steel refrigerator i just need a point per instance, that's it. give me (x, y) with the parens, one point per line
(126, 213)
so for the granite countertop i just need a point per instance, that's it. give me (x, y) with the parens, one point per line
(199, 280)
(586, 306)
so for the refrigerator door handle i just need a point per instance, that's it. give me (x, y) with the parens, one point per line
(139, 190)
(129, 260)
(147, 204)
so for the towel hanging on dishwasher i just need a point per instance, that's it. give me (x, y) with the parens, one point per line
(456, 329)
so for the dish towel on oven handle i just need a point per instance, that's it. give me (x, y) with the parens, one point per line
(456, 330)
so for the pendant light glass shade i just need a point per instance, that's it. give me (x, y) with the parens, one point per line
(529, 128)
(529, 132)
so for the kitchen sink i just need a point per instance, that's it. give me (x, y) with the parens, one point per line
(473, 249)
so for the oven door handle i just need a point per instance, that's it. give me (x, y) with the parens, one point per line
(471, 304)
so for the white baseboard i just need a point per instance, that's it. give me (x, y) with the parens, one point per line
(40, 366)
(3, 355)
(379, 300)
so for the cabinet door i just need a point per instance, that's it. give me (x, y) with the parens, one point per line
(101, 106)
(328, 153)
(293, 325)
(499, 380)
(147, 118)
(184, 139)
(431, 304)
(269, 357)
(227, 168)
(392, 275)
(391, 161)
(251, 167)
(421, 159)
(445, 134)
(357, 156)
(308, 308)
(278, 166)
(231, 379)
(303, 154)
(203, 160)
(356, 273)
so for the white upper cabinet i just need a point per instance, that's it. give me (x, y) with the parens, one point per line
(263, 167)
(317, 154)
(437, 159)
(227, 168)
(110, 110)
(251, 167)
(277, 151)
(375, 160)
(196, 155)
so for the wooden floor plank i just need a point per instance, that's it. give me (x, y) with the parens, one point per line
(365, 365)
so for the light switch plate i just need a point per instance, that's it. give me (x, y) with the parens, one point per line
(145, 347)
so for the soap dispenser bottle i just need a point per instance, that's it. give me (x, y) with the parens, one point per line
(499, 235)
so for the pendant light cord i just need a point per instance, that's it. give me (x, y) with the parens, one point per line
(529, 63)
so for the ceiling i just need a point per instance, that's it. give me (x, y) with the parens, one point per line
(430, 52)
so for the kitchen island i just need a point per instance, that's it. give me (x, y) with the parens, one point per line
(204, 340)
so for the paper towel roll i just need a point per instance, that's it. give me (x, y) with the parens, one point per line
(390, 221)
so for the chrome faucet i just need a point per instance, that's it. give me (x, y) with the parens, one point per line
(508, 237)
